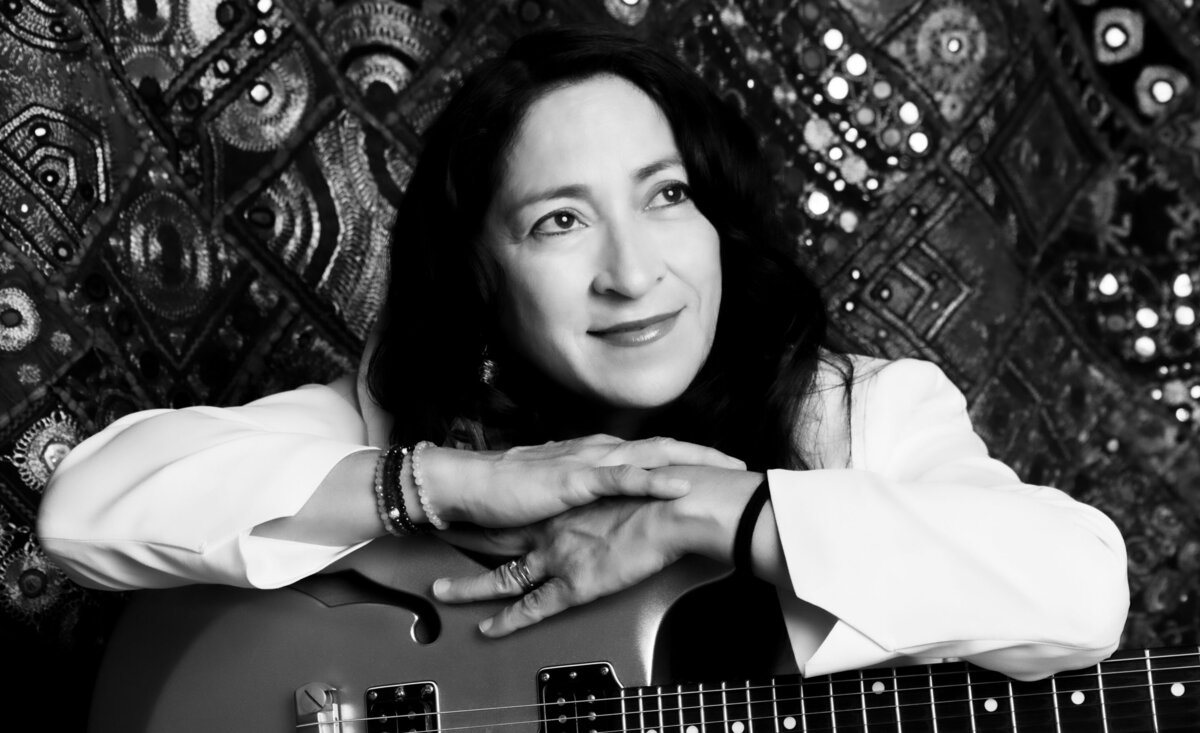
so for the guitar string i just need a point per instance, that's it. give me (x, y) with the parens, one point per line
(809, 719)
(854, 680)
(751, 718)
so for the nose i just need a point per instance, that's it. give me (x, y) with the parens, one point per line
(630, 263)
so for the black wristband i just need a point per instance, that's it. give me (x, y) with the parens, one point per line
(743, 538)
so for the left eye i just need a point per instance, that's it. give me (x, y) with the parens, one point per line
(675, 193)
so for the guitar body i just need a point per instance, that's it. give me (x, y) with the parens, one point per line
(214, 658)
(368, 651)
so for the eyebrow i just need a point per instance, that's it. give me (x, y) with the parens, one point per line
(577, 190)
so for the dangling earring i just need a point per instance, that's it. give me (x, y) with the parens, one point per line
(487, 368)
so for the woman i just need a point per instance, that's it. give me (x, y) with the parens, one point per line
(587, 253)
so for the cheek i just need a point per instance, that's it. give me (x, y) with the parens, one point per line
(535, 310)
(708, 277)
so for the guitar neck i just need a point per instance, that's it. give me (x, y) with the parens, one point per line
(1153, 691)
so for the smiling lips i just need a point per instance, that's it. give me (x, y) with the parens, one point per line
(639, 332)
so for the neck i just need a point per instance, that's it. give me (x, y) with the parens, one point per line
(564, 414)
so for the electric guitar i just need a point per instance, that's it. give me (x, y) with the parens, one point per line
(367, 651)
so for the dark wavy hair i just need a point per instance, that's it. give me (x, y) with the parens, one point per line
(441, 309)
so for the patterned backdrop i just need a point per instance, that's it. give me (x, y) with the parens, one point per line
(196, 196)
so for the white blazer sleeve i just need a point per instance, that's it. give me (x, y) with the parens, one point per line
(925, 548)
(169, 497)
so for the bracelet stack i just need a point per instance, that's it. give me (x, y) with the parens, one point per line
(389, 491)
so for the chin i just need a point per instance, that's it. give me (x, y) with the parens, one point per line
(645, 394)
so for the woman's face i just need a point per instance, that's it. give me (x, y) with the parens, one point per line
(612, 276)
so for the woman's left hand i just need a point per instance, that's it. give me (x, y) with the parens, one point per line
(577, 556)
(588, 552)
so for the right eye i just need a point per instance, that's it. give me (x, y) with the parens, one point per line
(560, 222)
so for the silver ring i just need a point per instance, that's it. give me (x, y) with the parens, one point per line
(519, 570)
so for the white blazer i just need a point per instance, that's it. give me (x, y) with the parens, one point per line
(911, 545)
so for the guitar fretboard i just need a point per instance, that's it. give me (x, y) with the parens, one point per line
(1153, 691)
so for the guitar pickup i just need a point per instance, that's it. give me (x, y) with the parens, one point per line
(580, 698)
(408, 708)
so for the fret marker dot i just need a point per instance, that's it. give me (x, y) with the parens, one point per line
(991, 705)
(692, 729)
(1077, 697)
(789, 722)
(1177, 689)
(651, 730)
(878, 687)
(738, 726)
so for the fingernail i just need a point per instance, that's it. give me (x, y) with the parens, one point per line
(485, 624)
(679, 485)
(440, 586)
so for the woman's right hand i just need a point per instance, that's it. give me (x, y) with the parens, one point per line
(524, 485)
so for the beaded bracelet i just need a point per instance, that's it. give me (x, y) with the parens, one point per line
(380, 504)
(422, 495)
(397, 506)
(389, 498)
(381, 500)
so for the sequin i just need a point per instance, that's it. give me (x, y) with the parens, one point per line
(32, 584)
(42, 447)
(20, 322)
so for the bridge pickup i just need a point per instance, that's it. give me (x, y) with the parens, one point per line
(405, 708)
(580, 698)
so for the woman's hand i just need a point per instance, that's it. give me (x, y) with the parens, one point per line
(598, 549)
(528, 484)
(576, 557)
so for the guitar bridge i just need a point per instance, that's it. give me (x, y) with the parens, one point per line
(580, 698)
(408, 708)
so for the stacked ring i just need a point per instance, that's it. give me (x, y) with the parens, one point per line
(519, 570)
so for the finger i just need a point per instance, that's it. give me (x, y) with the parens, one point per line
(660, 452)
(627, 480)
(543, 601)
(500, 582)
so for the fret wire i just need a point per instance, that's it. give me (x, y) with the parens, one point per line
(774, 706)
(970, 701)
(803, 712)
(749, 710)
(1012, 704)
(641, 714)
(679, 695)
(832, 708)
(700, 697)
(932, 701)
(1054, 698)
(1100, 687)
(725, 708)
(896, 696)
(862, 695)
(1150, 679)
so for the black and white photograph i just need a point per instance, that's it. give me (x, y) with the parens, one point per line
(600, 366)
